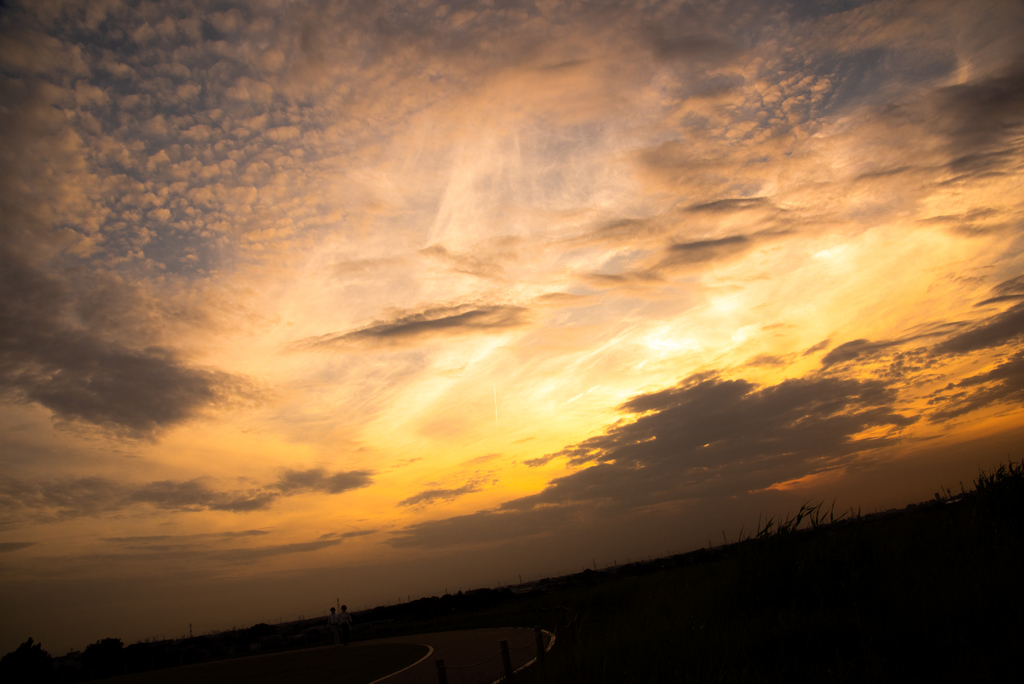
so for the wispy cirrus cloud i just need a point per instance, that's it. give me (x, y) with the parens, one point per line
(729, 205)
(430, 496)
(440, 321)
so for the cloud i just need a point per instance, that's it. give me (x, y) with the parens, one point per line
(63, 499)
(48, 501)
(674, 258)
(8, 547)
(192, 548)
(629, 279)
(483, 267)
(624, 230)
(563, 299)
(704, 437)
(673, 41)
(347, 535)
(980, 118)
(446, 320)
(769, 360)
(250, 555)
(194, 495)
(702, 251)
(481, 528)
(80, 375)
(806, 415)
(432, 495)
(1002, 385)
(857, 349)
(1008, 290)
(318, 480)
(351, 267)
(989, 333)
(485, 458)
(184, 538)
(681, 257)
(994, 331)
(813, 349)
(729, 206)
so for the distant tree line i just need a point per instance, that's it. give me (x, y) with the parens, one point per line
(110, 657)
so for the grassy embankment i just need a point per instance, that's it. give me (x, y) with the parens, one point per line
(930, 593)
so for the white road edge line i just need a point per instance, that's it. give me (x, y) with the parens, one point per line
(523, 667)
(431, 650)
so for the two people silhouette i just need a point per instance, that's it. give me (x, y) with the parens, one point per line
(340, 625)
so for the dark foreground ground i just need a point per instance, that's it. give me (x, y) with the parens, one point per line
(930, 593)
(327, 664)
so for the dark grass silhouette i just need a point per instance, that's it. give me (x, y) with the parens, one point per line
(931, 593)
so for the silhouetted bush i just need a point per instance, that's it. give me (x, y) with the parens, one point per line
(260, 630)
(105, 658)
(27, 663)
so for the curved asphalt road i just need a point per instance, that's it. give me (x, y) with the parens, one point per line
(471, 656)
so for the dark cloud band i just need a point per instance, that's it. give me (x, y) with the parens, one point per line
(49, 501)
(80, 375)
(701, 436)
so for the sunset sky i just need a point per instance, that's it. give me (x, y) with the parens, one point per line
(314, 300)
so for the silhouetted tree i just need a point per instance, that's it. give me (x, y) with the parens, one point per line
(261, 630)
(27, 663)
(105, 658)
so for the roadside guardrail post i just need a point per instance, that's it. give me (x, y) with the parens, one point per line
(442, 673)
(506, 660)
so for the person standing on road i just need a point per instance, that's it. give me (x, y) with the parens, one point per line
(346, 624)
(334, 624)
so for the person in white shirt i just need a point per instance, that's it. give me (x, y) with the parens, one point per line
(346, 624)
(334, 623)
